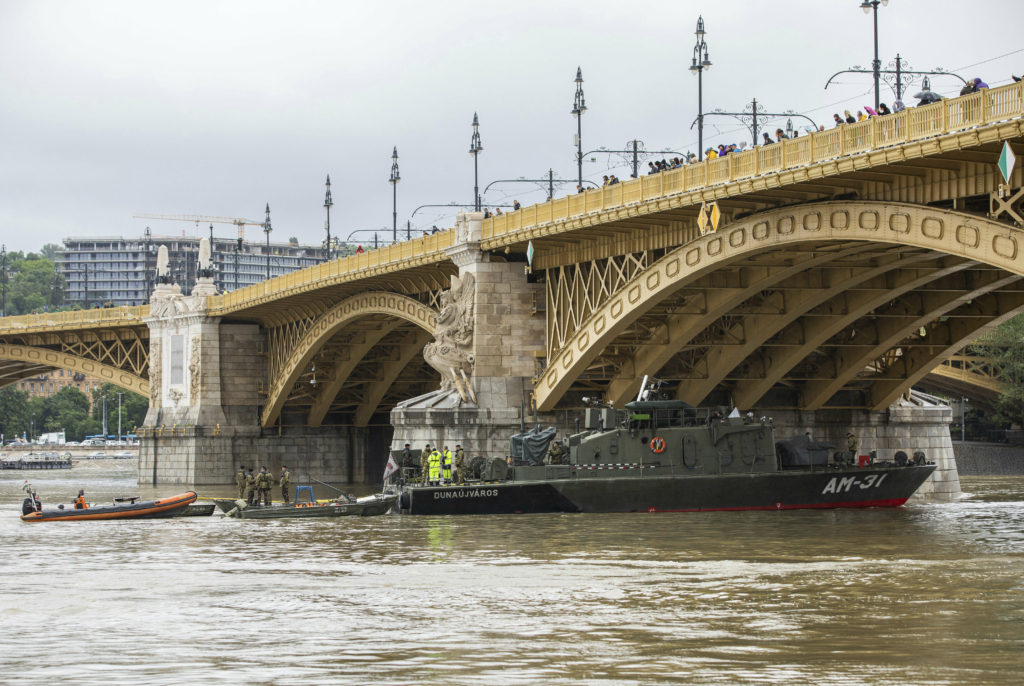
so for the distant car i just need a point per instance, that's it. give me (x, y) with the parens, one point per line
(98, 453)
(124, 453)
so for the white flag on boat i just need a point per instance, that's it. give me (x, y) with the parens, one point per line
(391, 468)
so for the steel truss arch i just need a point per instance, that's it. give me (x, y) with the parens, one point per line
(40, 359)
(302, 348)
(836, 226)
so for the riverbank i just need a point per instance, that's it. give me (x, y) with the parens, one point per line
(988, 459)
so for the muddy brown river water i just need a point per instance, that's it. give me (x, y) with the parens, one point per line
(925, 594)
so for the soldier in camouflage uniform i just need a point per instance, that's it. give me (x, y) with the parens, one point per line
(408, 464)
(264, 482)
(557, 454)
(853, 446)
(425, 464)
(285, 482)
(250, 487)
(240, 482)
(460, 464)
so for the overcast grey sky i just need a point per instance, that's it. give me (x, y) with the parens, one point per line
(112, 108)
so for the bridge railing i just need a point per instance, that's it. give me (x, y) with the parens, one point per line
(352, 265)
(111, 316)
(916, 123)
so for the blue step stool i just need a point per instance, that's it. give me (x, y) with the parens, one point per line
(307, 490)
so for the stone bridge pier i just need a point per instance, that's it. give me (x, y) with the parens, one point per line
(204, 414)
(487, 339)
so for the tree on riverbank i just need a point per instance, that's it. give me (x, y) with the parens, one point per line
(68, 410)
(14, 412)
(1005, 347)
(33, 283)
(133, 408)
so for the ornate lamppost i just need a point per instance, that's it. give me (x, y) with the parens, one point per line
(899, 75)
(3, 280)
(876, 64)
(475, 147)
(579, 106)
(754, 117)
(395, 178)
(267, 229)
(328, 204)
(698, 66)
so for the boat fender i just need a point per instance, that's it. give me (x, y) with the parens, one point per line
(241, 504)
(232, 512)
(657, 445)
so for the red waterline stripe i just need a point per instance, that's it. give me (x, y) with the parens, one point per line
(890, 502)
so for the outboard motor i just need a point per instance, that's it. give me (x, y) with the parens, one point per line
(31, 504)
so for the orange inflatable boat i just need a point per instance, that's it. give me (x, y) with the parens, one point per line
(121, 508)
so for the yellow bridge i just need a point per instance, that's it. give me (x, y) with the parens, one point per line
(847, 266)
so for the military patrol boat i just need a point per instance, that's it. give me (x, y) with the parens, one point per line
(366, 506)
(666, 456)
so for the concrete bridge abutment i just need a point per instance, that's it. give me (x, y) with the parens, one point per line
(487, 399)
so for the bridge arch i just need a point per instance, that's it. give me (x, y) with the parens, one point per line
(914, 247)
(43, 358)
(396, 307)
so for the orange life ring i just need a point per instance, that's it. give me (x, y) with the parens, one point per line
(657, 445)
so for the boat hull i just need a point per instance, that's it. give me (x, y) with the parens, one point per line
(784, 490)
(146, 509)
(360, 508)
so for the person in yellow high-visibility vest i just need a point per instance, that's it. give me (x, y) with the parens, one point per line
(446, 465)
(434, 466)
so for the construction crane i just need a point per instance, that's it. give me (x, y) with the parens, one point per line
(197, 218)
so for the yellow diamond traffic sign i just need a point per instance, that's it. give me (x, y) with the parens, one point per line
(702, 220)
(716, 216)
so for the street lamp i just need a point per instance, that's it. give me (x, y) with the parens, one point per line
(267, 229)
(475, 147)
(899, 75)
(698, 66)
(754, 116)
(3, 280)
(579, 106)
(876, 64)
(328, 204)
(395, 178)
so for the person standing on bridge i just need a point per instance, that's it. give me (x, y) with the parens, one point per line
(285, 480)
(425, 464)
(240, 481)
